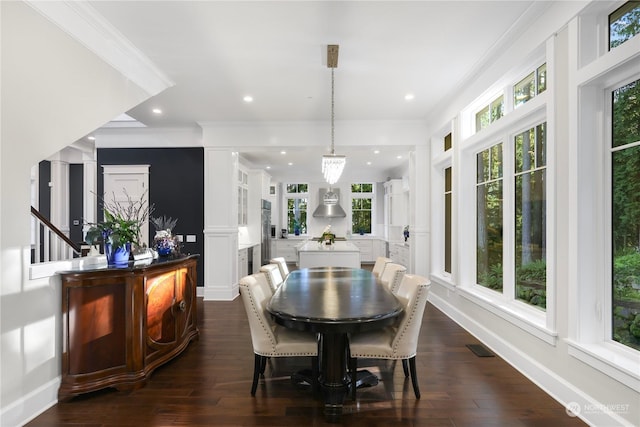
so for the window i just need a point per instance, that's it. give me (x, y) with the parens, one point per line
(361, 208)
(530, 216)
(489, 218)
(532, 85)
(490, 113)
(625, 227)
(447, 142)
(297, 202)
(624, 23)
(447, 219)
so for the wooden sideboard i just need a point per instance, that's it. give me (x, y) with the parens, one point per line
(119, 324)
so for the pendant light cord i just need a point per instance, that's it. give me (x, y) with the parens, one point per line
(333, 151)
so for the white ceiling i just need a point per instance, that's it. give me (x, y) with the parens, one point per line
(217, 52)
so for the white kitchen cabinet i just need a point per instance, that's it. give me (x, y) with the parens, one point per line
(366, 249)
(243, 262)
(287, 248)
(400, 254)
(243, 197)
(379, 249)
(397, 200)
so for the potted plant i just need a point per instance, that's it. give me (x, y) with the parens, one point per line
(327, 236)
(120, 229)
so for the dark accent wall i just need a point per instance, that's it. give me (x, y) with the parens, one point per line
(176, 188)
(44, 191)
(76, 184)
(44, 198)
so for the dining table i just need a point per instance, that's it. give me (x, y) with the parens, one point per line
(334, 302)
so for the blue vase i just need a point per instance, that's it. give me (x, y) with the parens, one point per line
(164, 250)
(117, 256)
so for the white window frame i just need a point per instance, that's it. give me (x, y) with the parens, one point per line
(371, 196)
(441, 161)
(291, 196)
(594, 73)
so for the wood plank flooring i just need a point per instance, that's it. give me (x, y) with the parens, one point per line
(209, 385)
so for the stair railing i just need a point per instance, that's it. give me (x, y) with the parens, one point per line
(50, 244)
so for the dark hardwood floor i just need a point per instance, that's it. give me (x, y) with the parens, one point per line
(209, 385)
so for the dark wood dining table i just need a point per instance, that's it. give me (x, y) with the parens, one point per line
(333, 302)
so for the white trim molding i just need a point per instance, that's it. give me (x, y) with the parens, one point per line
(87, 26)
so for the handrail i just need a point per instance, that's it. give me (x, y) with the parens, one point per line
(55, 230)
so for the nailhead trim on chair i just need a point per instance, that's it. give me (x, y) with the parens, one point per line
(255, 310)
(269, 332)
(421, 290)
(399, 337)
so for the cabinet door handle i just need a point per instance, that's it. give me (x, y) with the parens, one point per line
(182, 305)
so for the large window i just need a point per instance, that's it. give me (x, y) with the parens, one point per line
(624, 23)
(297, 198)
(489, 200)
(625, 194)
(530, 216)
(361, 208)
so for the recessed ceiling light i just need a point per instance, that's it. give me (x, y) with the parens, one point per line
(409, 97)
(268, 167)
(290, 164)
(398, 157)
(369, 163)
(91, 138)
(283, 152)
(248, 98)
(376, 151)
(157, 111)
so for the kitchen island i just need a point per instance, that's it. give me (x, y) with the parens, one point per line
(338, 254)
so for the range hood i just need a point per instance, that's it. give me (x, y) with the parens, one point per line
(329, 206)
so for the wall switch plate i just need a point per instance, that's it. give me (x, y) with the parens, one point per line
(191, 238)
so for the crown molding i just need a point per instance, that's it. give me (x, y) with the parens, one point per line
(92, 30)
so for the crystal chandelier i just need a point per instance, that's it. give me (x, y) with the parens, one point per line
(332, 164)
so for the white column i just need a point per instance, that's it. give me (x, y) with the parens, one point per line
(89, 191)
(419, 176)
(59, 203)
(220, 224)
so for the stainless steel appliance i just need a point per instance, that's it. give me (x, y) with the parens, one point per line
(266, 232)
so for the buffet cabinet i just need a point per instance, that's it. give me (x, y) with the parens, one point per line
(119, 324)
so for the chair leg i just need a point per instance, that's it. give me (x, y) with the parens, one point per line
(263, 364)
(315, 373)
(405, 367)
(257, 366)
(414, 377)
(353, 367)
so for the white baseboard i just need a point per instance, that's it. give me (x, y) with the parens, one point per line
(557, 387)
(31, 405)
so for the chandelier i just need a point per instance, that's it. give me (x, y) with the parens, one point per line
(332, 164)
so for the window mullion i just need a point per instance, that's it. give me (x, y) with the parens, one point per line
(508, 192)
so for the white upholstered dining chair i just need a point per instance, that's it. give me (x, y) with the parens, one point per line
(268, 338)
(282, 264)
(392, 275)
(274, 278)
(398, 342)
(378, 267)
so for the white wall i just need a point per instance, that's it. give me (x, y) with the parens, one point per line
(48, 80)
(548, 361)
